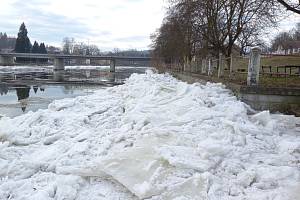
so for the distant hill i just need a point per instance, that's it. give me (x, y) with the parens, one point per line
(130, 53)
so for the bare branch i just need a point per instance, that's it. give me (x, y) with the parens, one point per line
(289, 7)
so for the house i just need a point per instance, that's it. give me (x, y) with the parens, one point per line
(288, 48)
(53, 50)
(6, 50)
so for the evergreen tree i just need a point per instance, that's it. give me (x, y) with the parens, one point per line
(35, 48)
(23, 44)
(43, 50)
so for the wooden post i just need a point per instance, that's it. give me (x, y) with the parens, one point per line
(254, 67)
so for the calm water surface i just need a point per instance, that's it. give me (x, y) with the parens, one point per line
(25, 89)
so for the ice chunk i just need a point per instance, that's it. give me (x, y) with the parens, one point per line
(135, 167)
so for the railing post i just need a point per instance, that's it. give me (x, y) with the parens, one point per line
(254, 67)
(220, 69)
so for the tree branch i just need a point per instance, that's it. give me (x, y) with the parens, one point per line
(289, 7)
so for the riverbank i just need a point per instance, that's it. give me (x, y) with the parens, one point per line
(275, 99)
(154, 137)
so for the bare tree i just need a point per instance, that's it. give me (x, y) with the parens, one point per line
(226, 21)
(291, 5)
(195, 27)
(68, 45)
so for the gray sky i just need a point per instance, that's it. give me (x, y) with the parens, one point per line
(107, 23)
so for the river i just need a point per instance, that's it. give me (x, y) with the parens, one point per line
(29, 88)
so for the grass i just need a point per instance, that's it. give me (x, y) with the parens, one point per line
(280, 61)
(240, 67)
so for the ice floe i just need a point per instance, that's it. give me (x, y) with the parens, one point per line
(154, 137)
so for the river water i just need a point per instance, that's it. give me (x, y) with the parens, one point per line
(26, 88)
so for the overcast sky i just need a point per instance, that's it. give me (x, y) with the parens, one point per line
(109, 24)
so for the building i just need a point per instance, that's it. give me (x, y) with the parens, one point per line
(288, 48)
(6, 50)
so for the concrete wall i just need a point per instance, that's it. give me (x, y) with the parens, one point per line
(274, 103)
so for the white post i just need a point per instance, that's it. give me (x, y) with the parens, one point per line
(203, 67)
(88, 61)
(220, 69)
(253, 67)
(209, 67)
(231, 65)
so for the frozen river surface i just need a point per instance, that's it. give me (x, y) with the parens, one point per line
(152, 138)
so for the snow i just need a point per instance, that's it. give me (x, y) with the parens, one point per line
(89, 67)
(24, 69)
(154, 137)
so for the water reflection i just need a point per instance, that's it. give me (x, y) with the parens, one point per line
(35, 89)
(19, 99)
(23, 93)
(59, 75)
(3, 89)
(112, 77)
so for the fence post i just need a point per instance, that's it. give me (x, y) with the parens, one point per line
(209, 67)
(220, 69)
(253, 67)
(231, 65)
(203, 67)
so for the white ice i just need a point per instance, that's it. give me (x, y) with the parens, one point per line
(152, 138)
